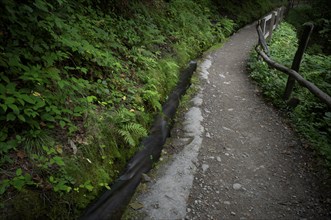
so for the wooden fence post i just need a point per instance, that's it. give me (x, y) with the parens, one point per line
(271, 28)
(278, 17)
(282, 12)
(308, 28)
(263, 24)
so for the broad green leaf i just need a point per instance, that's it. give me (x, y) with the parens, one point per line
(54, 73)
(18, 183)
(9, 100)
(11, 116)
(21, 101)
(89, 187)
(21, 117)
(4, 78)
(61, 83)
(78, 109)
(11, 88)
(62, 124)
(4, 107)
(14, 108)
(27, 98)
(40, 103)
(4, 185)
(91, 98)
(19, 172)
(83, 69)
(47, 117)
(51, 179)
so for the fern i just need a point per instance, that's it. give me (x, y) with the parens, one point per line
(122, 115)
(132, 132)
(153, 98)
(128, 138)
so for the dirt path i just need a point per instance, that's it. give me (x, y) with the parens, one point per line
(239, 159)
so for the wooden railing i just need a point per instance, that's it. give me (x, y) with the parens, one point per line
(264, 30)
(271, 21)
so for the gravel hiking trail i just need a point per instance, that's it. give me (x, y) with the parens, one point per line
(231, 155)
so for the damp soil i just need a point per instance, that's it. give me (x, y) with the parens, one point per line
(233, 156)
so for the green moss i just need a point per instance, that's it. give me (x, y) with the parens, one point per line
(26, 205)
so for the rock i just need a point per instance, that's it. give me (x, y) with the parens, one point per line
(233, 213)
(146, 178)
(156, 206)
(204, 167)
(218, 159)
(136, 205)
(208, 135)
(236, 186)
(227, 203)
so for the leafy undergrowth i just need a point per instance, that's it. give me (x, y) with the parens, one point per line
(80, 84)
(318, 12)
(311, 117)
(246, 11)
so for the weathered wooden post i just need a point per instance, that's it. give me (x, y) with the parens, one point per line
(271, 27)
(278, 17)
(308, 28)
(282, 12)
(263, 24)
(262, 41)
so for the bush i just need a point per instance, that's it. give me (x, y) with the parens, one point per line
(317, 12)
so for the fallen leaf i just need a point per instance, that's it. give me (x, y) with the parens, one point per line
(73, 146)
(59, 149)
(136, 205)
(20, 154)
(146, 178)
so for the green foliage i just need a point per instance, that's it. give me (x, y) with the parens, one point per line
(18, 181)
(311, 117)
(245, 11)
(80, 83)
(127, 127)
(318, 12)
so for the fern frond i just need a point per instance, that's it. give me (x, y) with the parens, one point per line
(123, 115)
(153, 98)
(132, 132)
(137, 130)
(127, 137)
